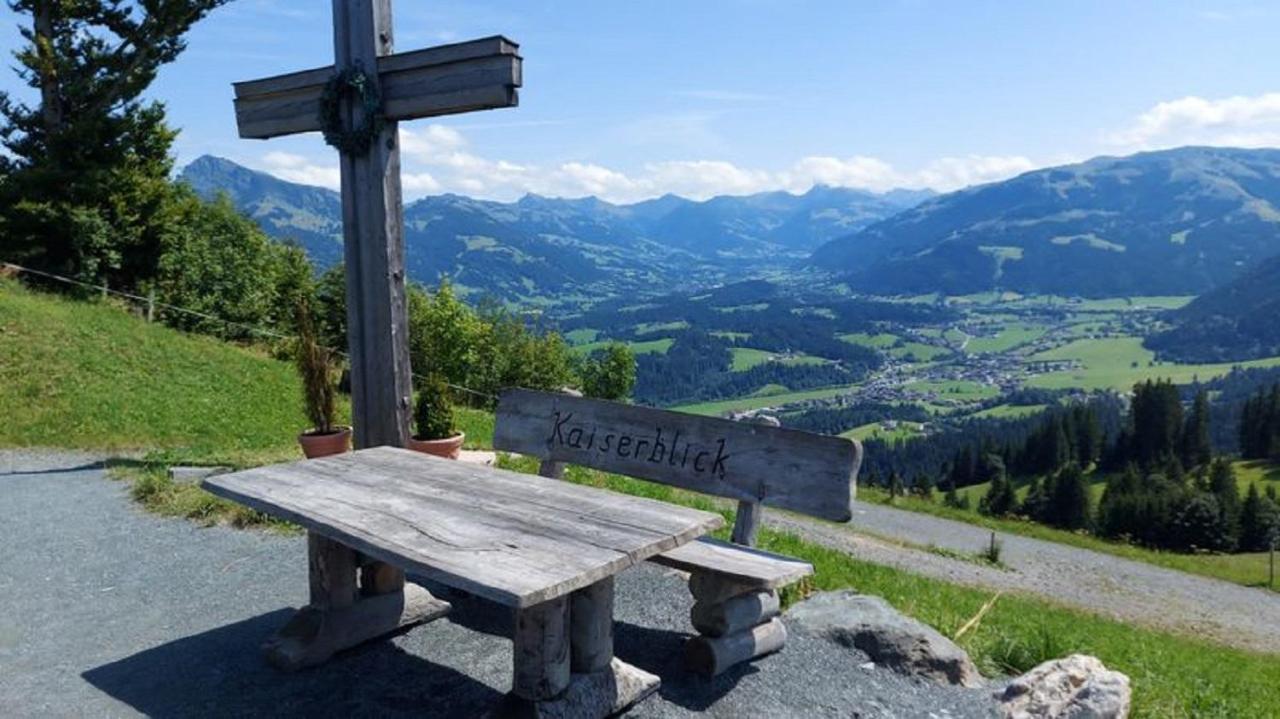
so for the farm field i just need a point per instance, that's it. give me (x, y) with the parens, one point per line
(875, 430)
(1007, 411)
(1009, 337)
(1117, 363)
(658, 346)
(756, 402)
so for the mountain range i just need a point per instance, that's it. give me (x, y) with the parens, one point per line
(539, 248)
(1173, 222)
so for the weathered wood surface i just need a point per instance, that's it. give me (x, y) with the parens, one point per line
(331, 572)
(314, 634)
(591, 627)
(540, 650)
(711, 656)
(746, 565)
(477, 75)
(808, 473)
(373, 248)
(716, 619)
(513, 538)
(747, 524)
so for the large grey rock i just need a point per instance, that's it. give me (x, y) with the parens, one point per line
(1077, 687)
(887, 636)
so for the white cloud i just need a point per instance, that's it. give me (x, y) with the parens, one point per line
(1242, 120)
(437, 158)
(296, 168)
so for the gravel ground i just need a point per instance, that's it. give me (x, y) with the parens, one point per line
(1131, 591)
(109, 611)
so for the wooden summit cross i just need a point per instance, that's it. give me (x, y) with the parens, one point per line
(357, 103)
(343, 100)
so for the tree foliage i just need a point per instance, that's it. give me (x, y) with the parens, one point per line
(84, 188)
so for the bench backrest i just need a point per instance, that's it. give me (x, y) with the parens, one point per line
(808, 473)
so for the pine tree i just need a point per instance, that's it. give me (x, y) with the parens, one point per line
(1069, 504)
(1196, 447)
(895, 485)
(1036, 504)
(1222, 485)
(1259, 518)
(86, 177)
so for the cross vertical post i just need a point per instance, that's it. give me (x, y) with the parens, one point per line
(373, 239)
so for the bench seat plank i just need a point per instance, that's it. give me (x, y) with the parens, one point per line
(512, 538)
(743, 564)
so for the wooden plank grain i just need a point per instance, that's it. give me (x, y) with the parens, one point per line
(411, 88)
(808, 473)
(516, 539)
(753, 567)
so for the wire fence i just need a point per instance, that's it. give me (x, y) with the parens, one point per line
(151, 305)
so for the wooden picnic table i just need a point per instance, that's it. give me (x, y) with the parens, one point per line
(549, 549)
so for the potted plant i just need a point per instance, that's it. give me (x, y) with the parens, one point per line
(433, 417)
(319, 392)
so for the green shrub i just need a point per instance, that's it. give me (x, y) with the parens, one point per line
(316, 367)
(433, 413)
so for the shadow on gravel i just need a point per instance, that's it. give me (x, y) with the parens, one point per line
(221, 673)
(87, 466)
(657, 651)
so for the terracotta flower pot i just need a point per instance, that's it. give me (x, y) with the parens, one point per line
(325, 445)
(449, 447)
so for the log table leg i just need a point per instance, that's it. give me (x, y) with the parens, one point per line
(343, 614)
(564, 663)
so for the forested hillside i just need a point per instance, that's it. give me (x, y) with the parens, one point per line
(1237, 321)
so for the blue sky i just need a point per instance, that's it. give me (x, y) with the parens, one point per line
(628, 100)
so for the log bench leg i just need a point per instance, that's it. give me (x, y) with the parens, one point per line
(342, 613)
(736, 623)
(564, 663)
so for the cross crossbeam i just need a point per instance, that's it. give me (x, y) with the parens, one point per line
(482, 74)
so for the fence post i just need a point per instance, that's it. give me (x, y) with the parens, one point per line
(151, 305)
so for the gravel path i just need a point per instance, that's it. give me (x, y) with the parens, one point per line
(1128, 590)
(109, 611)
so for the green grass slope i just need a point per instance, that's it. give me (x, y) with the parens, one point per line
(80, 374)
(93, 376)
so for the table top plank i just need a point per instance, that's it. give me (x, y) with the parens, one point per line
(513, 538)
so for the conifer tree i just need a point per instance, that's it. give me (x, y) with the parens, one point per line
(1069, 503)
(84, 180)
(1197, 449)
(1259, 518)
(1222, 485)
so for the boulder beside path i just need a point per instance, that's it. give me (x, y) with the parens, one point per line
(890, 638)
(1075, 687)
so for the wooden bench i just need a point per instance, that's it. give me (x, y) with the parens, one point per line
(735, 586)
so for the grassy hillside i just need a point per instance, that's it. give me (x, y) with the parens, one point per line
(91, 375)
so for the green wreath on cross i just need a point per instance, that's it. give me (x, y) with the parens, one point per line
(358, 139)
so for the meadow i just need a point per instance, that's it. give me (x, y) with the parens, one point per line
(1117, 363)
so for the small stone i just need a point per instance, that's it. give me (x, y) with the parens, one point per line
(899, 642)
(1077, 687)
